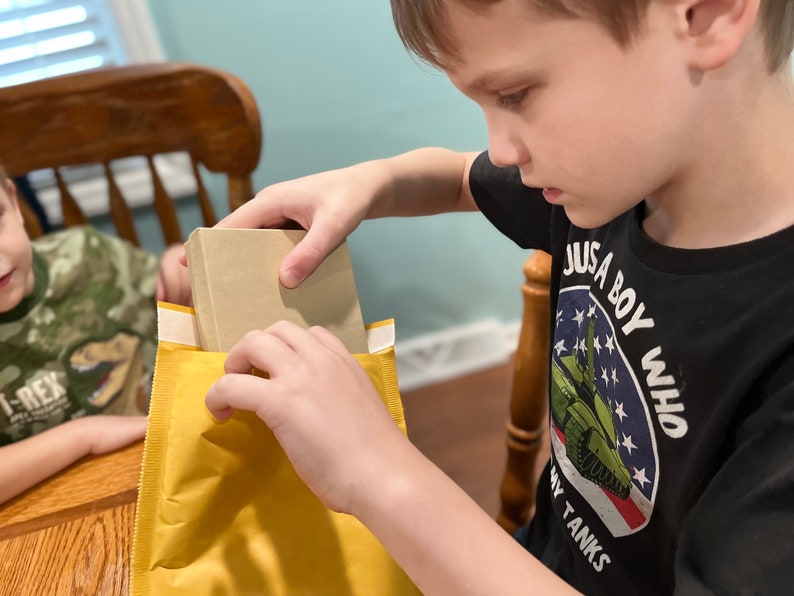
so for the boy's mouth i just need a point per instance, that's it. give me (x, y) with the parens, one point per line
(552, 195)
(5, 279)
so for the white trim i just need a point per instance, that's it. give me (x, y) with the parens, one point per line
(454, 352)
(137, 30)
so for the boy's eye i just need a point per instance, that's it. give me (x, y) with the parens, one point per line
(512, 100)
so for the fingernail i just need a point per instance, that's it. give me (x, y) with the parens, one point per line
(291, 278)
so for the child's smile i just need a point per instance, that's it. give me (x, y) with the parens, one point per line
(5, 280)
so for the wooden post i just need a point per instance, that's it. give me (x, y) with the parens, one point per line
(527, 430)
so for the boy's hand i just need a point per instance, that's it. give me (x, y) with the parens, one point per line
(173, 280)
(319, 403)
(328, 206)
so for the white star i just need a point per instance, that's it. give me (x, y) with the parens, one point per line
(639, 476)
(597, 345)
(614, 377)
(619, 410)
(559, 346)
(579, 317)
(627, 443)
(582, 346)
(610, 343)
(591, 311)
(604, 375)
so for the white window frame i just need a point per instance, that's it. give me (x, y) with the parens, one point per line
(138, 34)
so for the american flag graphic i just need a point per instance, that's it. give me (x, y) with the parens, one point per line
(602, 432)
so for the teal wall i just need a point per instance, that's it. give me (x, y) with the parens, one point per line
(335, 87)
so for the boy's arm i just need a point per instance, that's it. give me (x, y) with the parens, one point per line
(332, 204)
(444, 541)
(423, 182)
(28, 462)
(341, 440)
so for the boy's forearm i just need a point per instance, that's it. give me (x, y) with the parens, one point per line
(444, 541)
(423, 182)
(28, 462)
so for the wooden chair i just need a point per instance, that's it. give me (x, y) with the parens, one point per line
(527, 430)
(143, 110)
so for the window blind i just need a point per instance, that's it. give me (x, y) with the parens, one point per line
(45, 38)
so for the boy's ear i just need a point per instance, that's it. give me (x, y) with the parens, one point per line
(716, 29)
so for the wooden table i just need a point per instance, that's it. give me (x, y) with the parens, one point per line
(72, 534)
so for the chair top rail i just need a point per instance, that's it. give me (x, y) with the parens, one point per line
(144, 109)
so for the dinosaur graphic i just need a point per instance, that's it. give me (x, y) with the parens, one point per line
(104, 367)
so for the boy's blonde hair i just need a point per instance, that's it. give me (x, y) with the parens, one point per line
(422, 28)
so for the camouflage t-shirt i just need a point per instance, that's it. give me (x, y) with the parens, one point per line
(83, 342)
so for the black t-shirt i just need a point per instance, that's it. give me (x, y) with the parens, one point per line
(671, 404)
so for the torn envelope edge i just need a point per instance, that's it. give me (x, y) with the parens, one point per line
(177, 325)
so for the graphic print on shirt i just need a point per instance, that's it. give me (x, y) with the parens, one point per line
(96, 373)
(101, 369)
(601, 429)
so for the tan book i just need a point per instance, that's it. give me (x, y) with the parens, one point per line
(234, 279)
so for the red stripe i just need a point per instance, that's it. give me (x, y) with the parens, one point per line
(627, 509)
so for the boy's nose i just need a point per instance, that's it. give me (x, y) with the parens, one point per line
(505, 148)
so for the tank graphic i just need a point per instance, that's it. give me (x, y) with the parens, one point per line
(582, 413)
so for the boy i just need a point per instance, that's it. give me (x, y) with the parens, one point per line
(77, 338)
(661, 133)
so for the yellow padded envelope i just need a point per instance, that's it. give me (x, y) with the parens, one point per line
(220, 508)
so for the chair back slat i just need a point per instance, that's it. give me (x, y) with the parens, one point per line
(207, 210)
(164, 207)
(119, 210)
(72, 214)
(240, 190)
(32, 222)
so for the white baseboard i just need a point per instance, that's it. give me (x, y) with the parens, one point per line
(454, 352)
